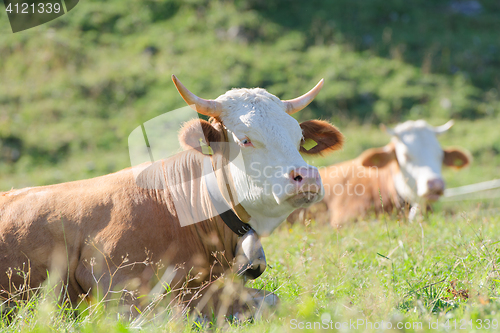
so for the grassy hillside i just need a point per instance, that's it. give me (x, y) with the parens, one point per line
(73, 89)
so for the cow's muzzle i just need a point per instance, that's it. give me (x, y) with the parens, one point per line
(306, 187)
(305, 179)
(435, 189)
(304, 199)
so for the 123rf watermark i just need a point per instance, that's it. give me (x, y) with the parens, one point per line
(362, 324)
(26, 14)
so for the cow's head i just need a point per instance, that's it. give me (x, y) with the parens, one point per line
(275, 179)
(416, 149)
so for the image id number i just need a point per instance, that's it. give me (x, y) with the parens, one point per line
(41, 8)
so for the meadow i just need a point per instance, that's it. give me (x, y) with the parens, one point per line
(72, 90)
(441, 270)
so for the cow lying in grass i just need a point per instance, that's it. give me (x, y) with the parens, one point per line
(406, 172)
(123, 232)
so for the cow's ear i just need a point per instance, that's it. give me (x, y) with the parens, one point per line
(198, 134)
(320, 137)
(456, 158)
(378, 157)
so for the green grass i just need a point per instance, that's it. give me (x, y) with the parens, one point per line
(386, 270)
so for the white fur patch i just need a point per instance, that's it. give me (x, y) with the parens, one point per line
(263, 181)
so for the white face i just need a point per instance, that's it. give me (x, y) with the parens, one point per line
(420, 158)
(275, 179)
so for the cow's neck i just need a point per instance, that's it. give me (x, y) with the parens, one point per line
(225, 180)
(407, 197)
(402, 188)
(221, 189)
(183, 205)
(401, 185)
(224, 204)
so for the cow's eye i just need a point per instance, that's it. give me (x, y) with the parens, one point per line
(246, 142)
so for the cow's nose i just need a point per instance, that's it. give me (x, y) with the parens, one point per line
(305, 176)
(435, 185)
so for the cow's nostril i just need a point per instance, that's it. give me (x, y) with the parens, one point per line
(435, 185)
(304, 176)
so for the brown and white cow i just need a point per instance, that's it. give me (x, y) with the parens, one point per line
(113, 231)
(406, 171)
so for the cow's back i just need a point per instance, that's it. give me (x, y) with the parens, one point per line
(352, 190)
(43, 227)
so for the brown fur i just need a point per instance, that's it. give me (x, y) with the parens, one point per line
(327, 136)
(376, 184)
(109, 218)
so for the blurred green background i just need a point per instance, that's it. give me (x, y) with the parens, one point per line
(72, 90)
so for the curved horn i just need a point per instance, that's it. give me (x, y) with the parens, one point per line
(297, 104)
(206, 107)
(443, 128)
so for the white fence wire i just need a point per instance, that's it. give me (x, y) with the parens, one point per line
(484, 190)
